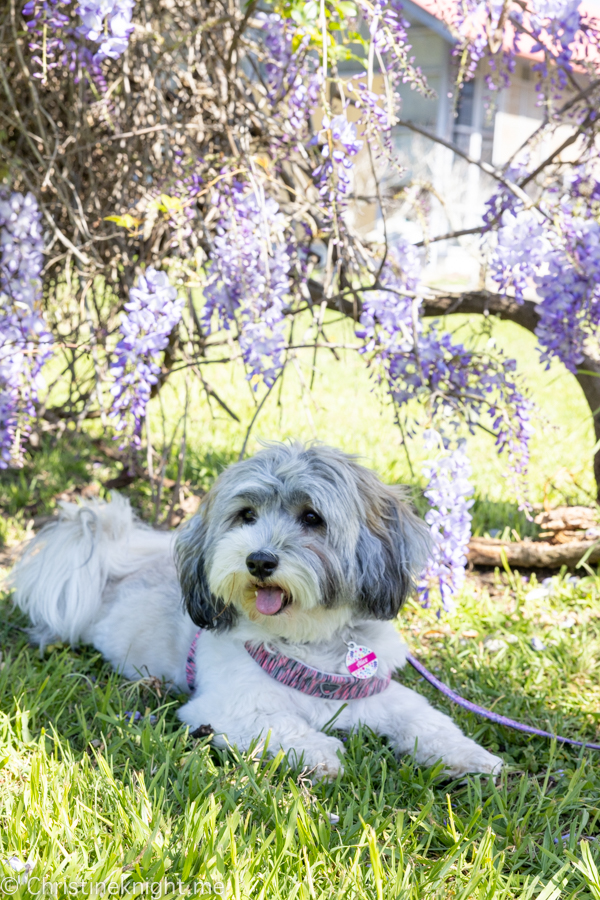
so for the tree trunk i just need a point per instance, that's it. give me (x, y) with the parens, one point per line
(487, 303)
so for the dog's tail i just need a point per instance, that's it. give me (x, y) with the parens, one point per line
(60, 579)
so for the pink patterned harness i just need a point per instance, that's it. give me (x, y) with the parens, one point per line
(298, 675)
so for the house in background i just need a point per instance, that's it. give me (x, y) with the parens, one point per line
(489, 126)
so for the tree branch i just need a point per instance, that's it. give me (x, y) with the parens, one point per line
(485, 167)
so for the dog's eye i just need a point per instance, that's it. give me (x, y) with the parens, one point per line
(311, 519)
(248, 516)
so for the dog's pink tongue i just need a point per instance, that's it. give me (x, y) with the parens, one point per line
(269, 600)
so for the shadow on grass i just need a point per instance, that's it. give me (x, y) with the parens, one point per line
(61, 469)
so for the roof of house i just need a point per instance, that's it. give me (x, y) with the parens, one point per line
(439, 16)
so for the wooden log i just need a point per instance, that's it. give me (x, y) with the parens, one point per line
(530, 554)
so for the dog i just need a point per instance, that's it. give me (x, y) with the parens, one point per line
(273, 607)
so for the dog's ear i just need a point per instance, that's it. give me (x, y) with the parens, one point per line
(205, 610)
(392, 548)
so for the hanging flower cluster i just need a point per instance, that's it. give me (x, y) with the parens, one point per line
(339, 144)
(107, 23)
(293, 79)
(248, 284)
(457, 384)
(561, 260)
(56, 42)
(57, 38)
(152, 312)
(389, 49)
(448, 491)
(48, 20)
(388, 30)
(24, 340)
(499, 30)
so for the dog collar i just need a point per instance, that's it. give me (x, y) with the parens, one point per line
(298, 675)
(190, 663)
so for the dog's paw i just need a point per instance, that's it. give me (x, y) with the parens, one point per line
(327, 770)
(471, 760)
(321, 756)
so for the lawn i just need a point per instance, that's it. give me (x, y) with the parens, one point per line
(100, 785)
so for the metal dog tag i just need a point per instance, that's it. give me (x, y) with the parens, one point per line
(361, 661)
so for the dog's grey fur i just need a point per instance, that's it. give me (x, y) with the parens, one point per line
(365, 557)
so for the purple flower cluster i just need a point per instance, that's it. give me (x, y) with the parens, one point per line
(554, 27)
(522, 243)
(388, 38)
(339, 145)
(387, 324)
(293, 79)
(388, 30)
(152, 312)
(48, 20)
(376, 121)
(460, 384)
(569, 285)
(108, 23)
(449, 520)
(56, 39)
(24, 341)
(556, 24)
(247, 280)
(561, 260)
(510, 411)
(56, 42)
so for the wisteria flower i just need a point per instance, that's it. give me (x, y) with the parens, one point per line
(248, 282)
(457, 383)
(25, 344)
(448, 492)
(561, 261)
(154, 309)
(108, 23)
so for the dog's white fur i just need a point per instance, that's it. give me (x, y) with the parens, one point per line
(99, 576)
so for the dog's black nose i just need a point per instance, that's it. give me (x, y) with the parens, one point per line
(262, 563)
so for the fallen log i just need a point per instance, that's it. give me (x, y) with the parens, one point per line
(531, 554)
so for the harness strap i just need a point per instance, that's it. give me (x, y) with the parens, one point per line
(190, 662)
(298, 675)
(311, 681)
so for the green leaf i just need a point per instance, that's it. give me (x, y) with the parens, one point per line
(126, 221)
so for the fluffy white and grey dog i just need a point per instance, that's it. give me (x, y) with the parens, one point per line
(299, 551)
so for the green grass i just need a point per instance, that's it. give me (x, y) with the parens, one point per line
(88, 795)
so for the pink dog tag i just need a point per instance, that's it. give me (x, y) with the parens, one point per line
(360, 661)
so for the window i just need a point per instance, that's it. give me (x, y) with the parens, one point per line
(466, 105)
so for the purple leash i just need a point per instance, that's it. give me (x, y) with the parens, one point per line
(487, 713)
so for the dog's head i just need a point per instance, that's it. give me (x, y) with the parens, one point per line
(300, 539)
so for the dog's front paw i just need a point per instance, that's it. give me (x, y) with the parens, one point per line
(471, 759)
(321, 756)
